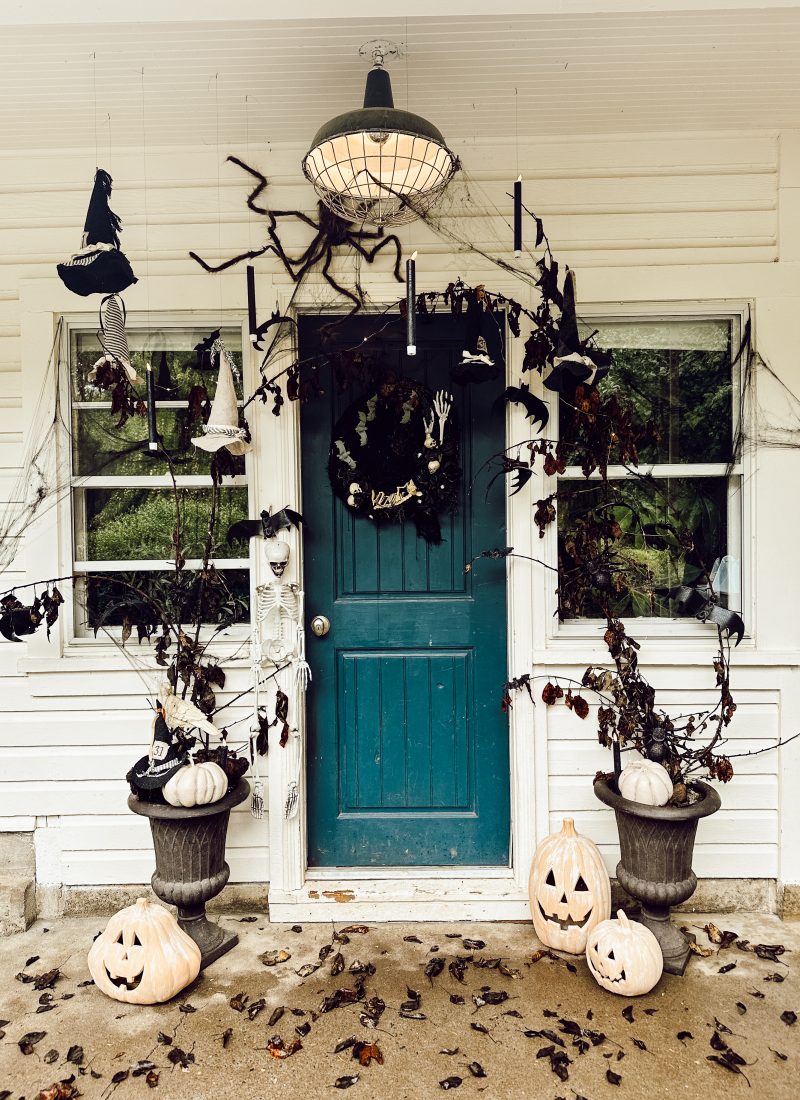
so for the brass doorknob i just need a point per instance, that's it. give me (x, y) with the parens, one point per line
(320, 625)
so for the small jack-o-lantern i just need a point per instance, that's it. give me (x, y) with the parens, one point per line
(569, 888)
(624, 956)
(143, 957)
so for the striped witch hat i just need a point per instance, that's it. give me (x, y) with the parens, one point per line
(113, 339)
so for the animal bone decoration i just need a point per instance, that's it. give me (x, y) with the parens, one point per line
(394, 454)
(570, 891)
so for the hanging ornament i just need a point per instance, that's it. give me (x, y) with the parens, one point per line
(411, 305)
(99, 267)
(518, 216)
(113, 339)
(394, 456)
(576, 362)
(222, 428)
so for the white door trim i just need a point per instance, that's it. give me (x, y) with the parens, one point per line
(297, 893)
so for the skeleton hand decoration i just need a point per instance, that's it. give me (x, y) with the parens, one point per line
(427, 423)
(442, 404)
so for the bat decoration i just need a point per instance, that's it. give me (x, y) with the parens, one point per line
(204, 351)
(522, 473)
(535, 409)
(267, 525)
(700, 603)
(276, 318)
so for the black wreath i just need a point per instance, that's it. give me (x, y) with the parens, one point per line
(385, 465)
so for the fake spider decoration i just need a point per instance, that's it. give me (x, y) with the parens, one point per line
(330, 232)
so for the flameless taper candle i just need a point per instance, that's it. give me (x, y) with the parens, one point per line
(152, 430)
(411, 305)
(251, 303)
(518, 216)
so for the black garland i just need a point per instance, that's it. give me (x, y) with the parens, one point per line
(392, 460)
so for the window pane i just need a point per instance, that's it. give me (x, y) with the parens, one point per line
(114, 597)
(650, 557)
(147, 345)
(99, 447)
(131, 524)
(677, 374)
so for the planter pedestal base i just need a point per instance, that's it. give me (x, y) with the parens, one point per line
(190, 864)
(656, 845)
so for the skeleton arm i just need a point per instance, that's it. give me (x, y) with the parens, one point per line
(302, 671)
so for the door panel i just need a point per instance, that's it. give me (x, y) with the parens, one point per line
(407, 746)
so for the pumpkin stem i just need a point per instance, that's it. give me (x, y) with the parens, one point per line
(568, 827)
(622, 917)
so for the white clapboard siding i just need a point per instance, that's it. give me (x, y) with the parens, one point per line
(654, 204)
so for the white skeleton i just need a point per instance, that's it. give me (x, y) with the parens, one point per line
(279, 636)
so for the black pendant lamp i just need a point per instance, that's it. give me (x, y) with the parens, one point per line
(379, 164)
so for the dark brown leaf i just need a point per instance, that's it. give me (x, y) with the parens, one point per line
(152, 1079)
(275, 1016)
(29, 1041)
(278, 1049)
(613, 1078)
(75, 1055)
(726, 969)
(239, 1002)
(476, 1069)
(778, 1054)
(627, 1013)
(450, 1083)
(337, 964)
(742, 1007)
(434, 968)
(31, 961)
(474, 945)
(411, 939)
(365, 1053)
(120, 1076)
(227, 1035)
(354, 930)
(164, 1039)
(789, 1017)
(50, 1057)
(48, 980)
(346, 1082)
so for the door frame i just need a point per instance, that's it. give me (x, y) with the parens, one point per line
(300, 893)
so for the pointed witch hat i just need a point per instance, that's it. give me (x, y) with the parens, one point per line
(113, 338)
(99, 267)
(222, 429)
(576, 362)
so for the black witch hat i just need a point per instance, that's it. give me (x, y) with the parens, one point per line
(576, 362)
(99, 267)
(154, 769)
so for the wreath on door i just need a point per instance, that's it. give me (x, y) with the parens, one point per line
(394, 455)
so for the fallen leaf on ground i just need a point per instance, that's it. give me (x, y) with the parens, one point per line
(345, 1082)
(29, 1041)
(789, 1017)
(450, 1083)
(272, 958)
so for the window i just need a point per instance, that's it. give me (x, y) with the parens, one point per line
(679, 373)
(123, 498)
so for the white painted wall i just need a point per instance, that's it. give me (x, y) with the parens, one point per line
(654, 219)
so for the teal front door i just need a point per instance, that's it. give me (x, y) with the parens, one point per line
(407, 746)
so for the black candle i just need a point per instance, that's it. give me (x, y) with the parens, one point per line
(518, 216)
(251, 303)
(411, 305)
(152, 430)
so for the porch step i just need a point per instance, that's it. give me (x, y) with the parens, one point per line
(17, 903)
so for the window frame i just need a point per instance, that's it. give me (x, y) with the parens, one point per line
(739, 519)
(83, 639)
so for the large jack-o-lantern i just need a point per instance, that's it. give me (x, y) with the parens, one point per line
(569, 888)
(143, 957)
(624, 956)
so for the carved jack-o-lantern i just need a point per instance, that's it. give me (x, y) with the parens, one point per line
(624, 956)
(143, 957)
(569, 888)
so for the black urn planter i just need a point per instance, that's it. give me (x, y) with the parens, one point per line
(190, 863)
(656, 845)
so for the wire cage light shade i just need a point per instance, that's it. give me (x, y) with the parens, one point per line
(379, 164)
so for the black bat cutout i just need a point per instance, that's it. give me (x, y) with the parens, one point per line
(522, 475)
(691, 601)
(267, 525)
(204, 360)
(535, 409)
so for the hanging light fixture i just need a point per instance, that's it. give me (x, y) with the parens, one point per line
(379, 164)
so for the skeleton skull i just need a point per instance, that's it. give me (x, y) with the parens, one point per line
(277, 556)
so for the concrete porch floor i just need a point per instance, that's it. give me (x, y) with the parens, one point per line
(225, 1053)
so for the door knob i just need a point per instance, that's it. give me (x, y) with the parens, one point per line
(320, 625)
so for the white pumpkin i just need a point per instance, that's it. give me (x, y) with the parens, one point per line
(646, 782)
(569, 889)
(624, 956)
(196, 785)
(143, 957)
